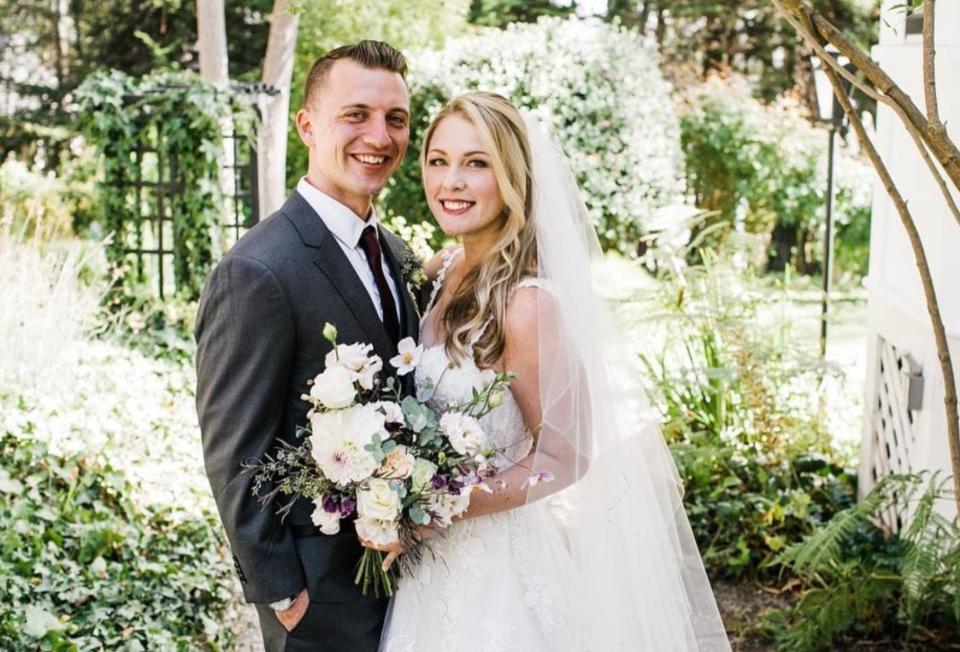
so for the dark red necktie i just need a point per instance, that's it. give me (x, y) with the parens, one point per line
(371, 247)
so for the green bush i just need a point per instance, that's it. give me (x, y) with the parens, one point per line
(863, 583)
(41, 203)
(764, 166)
(82, 566)
(740, 415)
(596, 87)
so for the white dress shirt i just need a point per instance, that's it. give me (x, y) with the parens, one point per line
(347, 227)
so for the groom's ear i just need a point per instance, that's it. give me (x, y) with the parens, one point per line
(304, 127)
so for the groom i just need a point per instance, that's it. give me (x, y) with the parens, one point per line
(321, 258)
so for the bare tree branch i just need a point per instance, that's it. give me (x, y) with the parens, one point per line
(805, 28)
(929, 63)
(816, 30)
(926, 280)
(937, 140)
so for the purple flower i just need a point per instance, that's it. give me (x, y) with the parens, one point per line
(347, 506)
(438, 482)
(329, 503)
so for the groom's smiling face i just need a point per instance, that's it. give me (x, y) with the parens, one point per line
(357, 126)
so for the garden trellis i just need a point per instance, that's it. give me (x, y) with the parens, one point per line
(180, 177)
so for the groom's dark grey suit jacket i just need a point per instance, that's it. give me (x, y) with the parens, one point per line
(259, 339)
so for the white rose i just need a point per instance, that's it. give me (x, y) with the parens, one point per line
(382, 533)
(328, 522)
(464, 432)
(423, 472)
(392, 411)
(397, 465)
(378, 500)
(357, 359)
(334, 388)
(339, 439)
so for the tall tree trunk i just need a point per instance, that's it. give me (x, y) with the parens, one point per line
(212, 46)
(212, 42)
(277, 71)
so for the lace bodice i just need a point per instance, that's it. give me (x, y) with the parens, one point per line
(454, 383)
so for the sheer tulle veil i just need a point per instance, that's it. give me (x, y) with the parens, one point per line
(639, 580)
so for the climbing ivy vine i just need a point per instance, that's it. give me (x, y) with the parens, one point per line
(181, 118)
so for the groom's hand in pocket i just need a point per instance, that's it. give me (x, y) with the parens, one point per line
(291, 617)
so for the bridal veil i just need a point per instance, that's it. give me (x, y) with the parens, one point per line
(639, 580)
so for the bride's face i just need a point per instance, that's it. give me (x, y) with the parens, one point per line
(459, 182)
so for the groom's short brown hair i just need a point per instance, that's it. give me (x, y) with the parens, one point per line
(369, 54)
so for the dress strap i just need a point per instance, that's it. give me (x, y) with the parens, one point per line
(533, 282)
(529, 282)
(448, 256)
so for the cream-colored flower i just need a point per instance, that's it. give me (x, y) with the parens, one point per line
(378, 500)
(446, 506)
(464, 432)
(328, 522)
(333, 388)
(423, 472)
(397, 465)
(382, 533)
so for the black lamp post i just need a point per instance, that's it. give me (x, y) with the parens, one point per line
(831, 114)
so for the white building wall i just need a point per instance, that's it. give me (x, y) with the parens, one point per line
(896, 439)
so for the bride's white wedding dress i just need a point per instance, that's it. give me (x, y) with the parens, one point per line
(621, 570)
(496, 582)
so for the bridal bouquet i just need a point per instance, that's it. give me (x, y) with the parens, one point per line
(388, 461)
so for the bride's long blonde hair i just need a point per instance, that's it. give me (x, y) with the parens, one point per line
(480, 302)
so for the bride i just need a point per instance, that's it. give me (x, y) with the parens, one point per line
(580, 542)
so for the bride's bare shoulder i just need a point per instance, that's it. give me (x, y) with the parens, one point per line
(530, 303)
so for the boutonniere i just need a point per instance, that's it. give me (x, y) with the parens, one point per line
(411, 269)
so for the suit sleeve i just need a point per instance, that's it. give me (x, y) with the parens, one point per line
(245, 348)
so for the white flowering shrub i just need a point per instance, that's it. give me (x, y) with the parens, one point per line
(598, 89)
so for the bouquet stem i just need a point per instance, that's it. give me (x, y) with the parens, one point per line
(370, 573)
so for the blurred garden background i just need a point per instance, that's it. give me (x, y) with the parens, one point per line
(127, 168)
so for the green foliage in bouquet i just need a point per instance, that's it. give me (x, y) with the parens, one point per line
(179, 116)
(765, 166)
(596, 87)
(742, 423)
(84, 567)
(862, 582)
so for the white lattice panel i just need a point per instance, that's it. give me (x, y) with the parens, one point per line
(893, 417)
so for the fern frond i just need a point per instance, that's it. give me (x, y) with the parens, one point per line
(929, 565)
(854, 598)
(818, 551)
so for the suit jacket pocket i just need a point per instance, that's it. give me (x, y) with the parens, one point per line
(328, 563)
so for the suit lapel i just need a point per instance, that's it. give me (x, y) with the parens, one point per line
(333, 264)
(409, 319)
